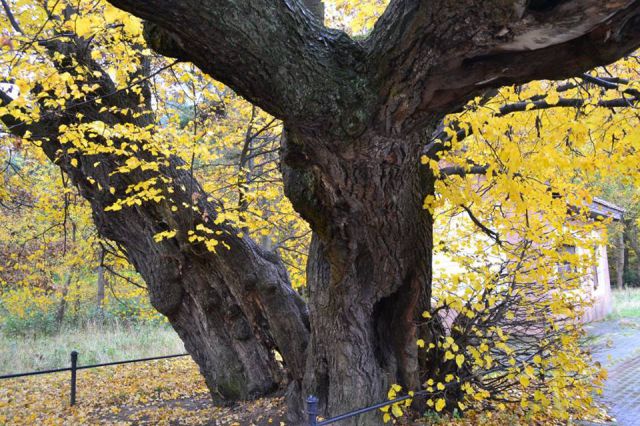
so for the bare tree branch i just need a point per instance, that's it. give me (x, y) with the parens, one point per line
(12, 18)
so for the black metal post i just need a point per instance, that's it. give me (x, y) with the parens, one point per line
(74, 367)
(312, 410)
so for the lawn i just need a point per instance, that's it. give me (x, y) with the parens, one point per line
(166, 392)
(95, 343)
(626, 303)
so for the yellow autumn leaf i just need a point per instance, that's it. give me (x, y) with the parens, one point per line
(132, 25)
(552, 98)
(396, 411)
(164, 235)
(83, 26)
(459, 360)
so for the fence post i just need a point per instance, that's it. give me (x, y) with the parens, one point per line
(312, 410)
(74, 366)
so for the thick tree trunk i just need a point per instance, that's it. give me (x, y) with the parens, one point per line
(351, 161)
(369, 270)
(231, 308)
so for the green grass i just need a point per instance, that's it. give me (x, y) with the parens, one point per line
(95, 343)
(626, 303)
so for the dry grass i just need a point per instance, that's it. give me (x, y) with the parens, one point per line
(95, 344)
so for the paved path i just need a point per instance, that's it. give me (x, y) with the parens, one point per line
(617, 347)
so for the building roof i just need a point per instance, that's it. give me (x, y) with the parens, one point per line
(600, 207)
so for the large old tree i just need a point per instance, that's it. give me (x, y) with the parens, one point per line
(358, 115)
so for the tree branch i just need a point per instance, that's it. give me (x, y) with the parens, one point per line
(278, 55)
(566, 102)
(464, 171)
(422, 58)
(434, 56)
(438, 142)
(12, 18)
(489, 232)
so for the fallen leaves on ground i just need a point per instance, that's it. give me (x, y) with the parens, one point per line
(165, 392)
(156, 393)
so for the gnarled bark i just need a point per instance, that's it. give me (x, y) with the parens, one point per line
(369, 270)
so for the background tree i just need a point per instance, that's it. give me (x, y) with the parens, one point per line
(625, 257)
